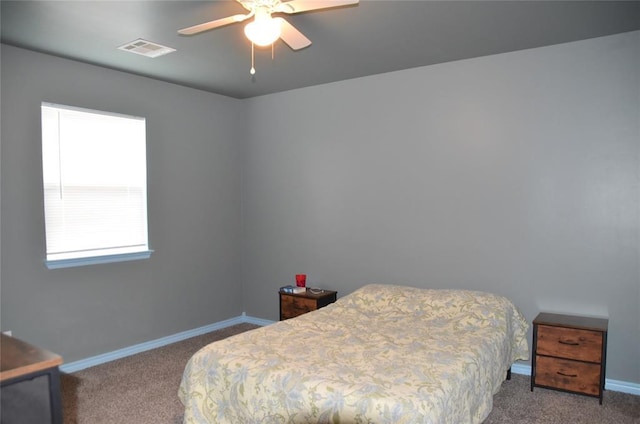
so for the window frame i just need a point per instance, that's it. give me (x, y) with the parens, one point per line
(84, 257)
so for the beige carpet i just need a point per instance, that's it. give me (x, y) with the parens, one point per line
(139, 389)
(142, 389)
(515, 403)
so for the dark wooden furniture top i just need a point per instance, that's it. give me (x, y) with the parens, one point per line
(295, 304)
(18, 358)
(559, 320)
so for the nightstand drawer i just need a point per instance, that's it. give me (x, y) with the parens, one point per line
(570, 343)
(568, 375)
(293, 306)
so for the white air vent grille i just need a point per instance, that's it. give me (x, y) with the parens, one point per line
(146, 48)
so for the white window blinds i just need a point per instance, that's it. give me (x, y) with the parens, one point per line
(95, 186)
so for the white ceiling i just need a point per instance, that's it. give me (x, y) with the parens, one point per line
(348, 42)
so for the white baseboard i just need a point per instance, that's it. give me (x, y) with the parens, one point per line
(609, 384)
(257, 321)
(622, 386)
(153, 344)
(517, 368)
(523, 369)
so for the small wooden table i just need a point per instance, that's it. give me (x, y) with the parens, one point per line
(294, 304)
(30, 383)
(569, 353)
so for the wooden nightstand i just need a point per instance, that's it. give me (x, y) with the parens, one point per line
(292, 305)
(569, 354)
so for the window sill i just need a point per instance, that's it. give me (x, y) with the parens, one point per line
(69, 263)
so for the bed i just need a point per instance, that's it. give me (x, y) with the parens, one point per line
(383, 354)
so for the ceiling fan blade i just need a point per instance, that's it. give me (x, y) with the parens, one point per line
(297, 6)
(290, 35)
(196, 29)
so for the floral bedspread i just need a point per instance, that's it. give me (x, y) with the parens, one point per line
(383, 354)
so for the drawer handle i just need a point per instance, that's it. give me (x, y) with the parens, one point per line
(569, 342)
(566, 375)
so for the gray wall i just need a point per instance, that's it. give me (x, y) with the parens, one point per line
(192, 279)
(515, 173)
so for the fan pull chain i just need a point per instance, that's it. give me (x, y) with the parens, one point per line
(253, 69)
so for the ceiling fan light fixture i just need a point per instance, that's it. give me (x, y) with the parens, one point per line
(264, 30)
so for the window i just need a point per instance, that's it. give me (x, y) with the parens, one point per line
(95, 186)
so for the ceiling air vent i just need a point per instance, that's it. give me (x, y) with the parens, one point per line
(146, 48)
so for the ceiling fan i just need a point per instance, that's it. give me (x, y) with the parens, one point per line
(265, 30)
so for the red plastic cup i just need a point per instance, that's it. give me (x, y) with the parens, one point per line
(301, 280)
